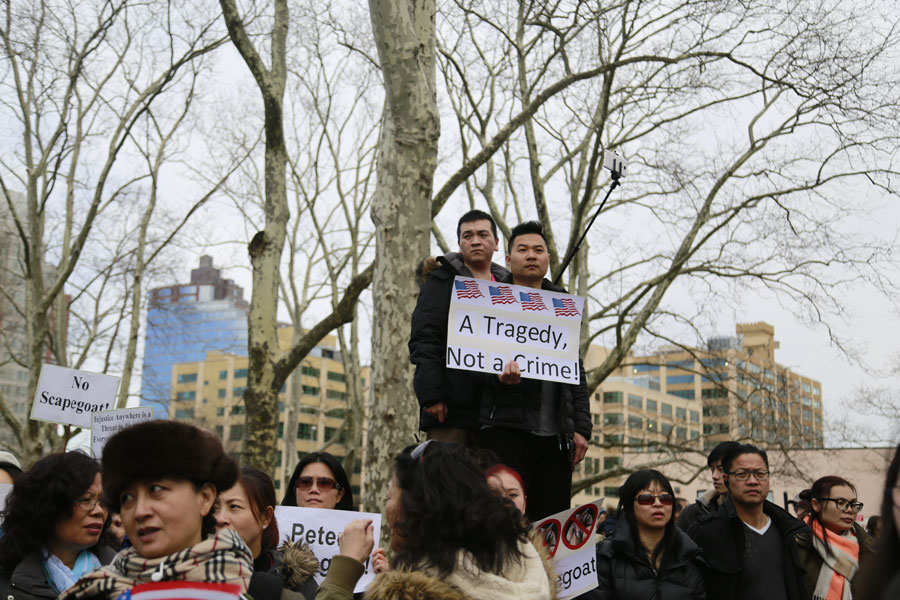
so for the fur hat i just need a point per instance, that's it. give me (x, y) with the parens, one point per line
(164, 450)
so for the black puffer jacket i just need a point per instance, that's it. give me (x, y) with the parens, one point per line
(28, 581)
(720, 535)
(433, 381)
(519, 406)
(624, 572)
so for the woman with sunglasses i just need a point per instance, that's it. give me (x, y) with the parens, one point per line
(839, 546)
(319, 481)
(249, 508)
(52, 525)
(647, 557)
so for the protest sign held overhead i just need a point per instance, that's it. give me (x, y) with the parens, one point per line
(571, 537)
(68, 396)
(492, 323)
(320, 528)
(108, 422)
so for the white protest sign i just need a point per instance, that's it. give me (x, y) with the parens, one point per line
(68, 396)
(320, 528)
(5, 489)
(571, 538)
(490, 324)
(108, 422)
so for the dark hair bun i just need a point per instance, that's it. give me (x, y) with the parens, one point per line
(805, 495)
(164, 450)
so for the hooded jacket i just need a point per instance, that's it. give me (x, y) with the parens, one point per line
(720, 535)
(28, 581)
(433, 381)
(295, 564)
(530, 579)
(519, 406)
(625, 573)
(708, 502)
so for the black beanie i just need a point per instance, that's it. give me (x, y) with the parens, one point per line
(164, 450)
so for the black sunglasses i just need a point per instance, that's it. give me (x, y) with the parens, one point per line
(649, 499)
(325, 484)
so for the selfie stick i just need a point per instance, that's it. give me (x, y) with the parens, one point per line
(616, 168)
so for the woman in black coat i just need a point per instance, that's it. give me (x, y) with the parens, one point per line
(647, 557)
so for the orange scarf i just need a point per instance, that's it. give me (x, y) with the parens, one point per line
(838, 568)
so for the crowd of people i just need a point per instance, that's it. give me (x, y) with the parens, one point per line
(166, 503)
(457, 523)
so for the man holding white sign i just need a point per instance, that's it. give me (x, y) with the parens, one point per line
(539, 427)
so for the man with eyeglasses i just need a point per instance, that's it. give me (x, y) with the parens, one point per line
(710, 500)
(750, 544)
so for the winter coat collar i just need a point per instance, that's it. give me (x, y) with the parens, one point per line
(685, 549)
(781, 519)
(451, 264)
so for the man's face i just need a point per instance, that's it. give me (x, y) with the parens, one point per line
(528, 258)
(718, 478)
(477, 243)
(751, 490)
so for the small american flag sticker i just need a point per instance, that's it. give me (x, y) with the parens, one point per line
(565, 307)
(501, 295)
(467, 289)
(531, 301)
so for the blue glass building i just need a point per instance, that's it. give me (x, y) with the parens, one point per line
(186, 321)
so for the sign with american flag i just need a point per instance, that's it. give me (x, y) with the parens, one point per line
(501, 294)
(493, 323)
(183, 590)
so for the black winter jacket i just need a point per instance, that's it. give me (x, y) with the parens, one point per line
(294, 564)
(720, 535)
(705, 504)
(28, 581)
(433, 381)
(519, 406)
(624, 572)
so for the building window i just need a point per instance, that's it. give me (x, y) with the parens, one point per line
(186, 395)
(635, 422)
(223, 374)
(220, 431)
(187, 378)
(644, 367)
(332, 376)
(307, 370)
(222, 392)
(681, 433)
(220, 411)
(614, 438)
(695, 416)
(666, 429)
(310, 390)
(688, 394)
(280, 430)
(305, 431)
(613, 419)
(238, 409)
(680, 413)
(611, 492)
(612, 397)
(676, 379)
(186, 413)
(651, 405)
(239, 391)
(651, 425)
(240, 373)
(666, 410)
(237, 433)
(335, 394)
(635, 401)
(612, 462)
(715, 392)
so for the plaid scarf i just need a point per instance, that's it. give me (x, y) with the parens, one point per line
(218, 559)
(839, 567)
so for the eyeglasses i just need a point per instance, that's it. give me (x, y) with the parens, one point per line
(324, 484)
(649, 499)
(87, 504)
(843, 504)
(745, 475)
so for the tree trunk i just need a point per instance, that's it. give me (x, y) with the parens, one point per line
(401, 210)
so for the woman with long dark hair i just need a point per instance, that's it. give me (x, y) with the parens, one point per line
(319, 481)
(838, 546)
(882, 582)
(647, 555)
(249, 508)
(52, 524)
(453, 537)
